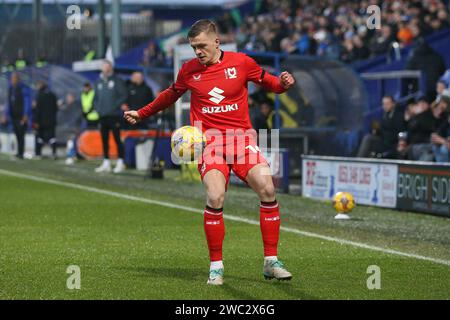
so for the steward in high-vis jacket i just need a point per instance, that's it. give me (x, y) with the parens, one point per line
(87, 105)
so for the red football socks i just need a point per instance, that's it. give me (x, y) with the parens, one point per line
(215, 231)
(269, 219)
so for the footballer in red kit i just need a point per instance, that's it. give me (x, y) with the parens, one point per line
(219, 103)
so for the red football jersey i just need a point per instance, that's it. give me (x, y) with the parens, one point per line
(219, 93)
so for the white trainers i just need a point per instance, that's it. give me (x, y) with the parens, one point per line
(215, 277)
(275, 269)
(69, 161)
(120, 166)
(105, 167)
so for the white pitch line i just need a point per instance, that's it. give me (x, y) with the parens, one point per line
(229, 217)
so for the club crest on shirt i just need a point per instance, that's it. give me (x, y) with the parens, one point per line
(230, 73)
(196, 77)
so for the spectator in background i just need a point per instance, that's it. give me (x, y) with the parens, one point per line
(17, 111)
(226, 23)
(441, 139)
(110, 95)
(87, 105)
(153, 56)
(441, 89)
(45, 118)
(260, 114)
(420, 126)
(382, 41)
(139, 94)
(69, 121)
(404, 35)
(382, 141)
(425, 59)
(401, 151)
(20, 62)
(439, 110)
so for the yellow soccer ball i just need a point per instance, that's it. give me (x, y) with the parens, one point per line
(343, 202)
(187, 143)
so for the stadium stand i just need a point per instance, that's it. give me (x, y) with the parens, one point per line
(405, 58)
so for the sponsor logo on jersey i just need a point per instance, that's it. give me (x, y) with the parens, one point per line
(220, 109)
(272, 219)
(230, 73)
(216, 95)
(197, 77)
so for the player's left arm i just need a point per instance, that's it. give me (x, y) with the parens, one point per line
(258, 75)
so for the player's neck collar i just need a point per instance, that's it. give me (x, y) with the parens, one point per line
(218, 61)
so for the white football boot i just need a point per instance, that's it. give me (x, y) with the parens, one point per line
(215, 277)
(275, 269)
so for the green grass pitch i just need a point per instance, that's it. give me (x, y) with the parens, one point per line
(128, 249)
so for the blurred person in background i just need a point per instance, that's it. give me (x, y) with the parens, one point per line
(441, 141)
(382, 141)
(259, 114)
(87, 105)
(45, 118)
(69, 121)
(420, 126)
(425, 59)
(401, 151)
(139, 94)
(440, 138)
(441, 89)
(110, 95)
(17, 110)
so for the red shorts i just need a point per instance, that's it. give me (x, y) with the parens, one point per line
(237, 153)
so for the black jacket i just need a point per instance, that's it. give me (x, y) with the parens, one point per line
(139, 95)
(442, 125)
(16, 102)
(425, 59)
(420, 127)
(46, 108)
(391, 124)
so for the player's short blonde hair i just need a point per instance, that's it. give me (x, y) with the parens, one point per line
(200, 26)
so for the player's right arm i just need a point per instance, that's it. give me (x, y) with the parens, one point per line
(164, 100)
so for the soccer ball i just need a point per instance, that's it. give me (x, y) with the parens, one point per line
(187, 143)
(343, 202)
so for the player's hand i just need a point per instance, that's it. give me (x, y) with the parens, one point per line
(437, 139)
(125, 107)
(132, 116)
(286, 80)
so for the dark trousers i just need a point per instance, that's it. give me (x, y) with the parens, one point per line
(113, 124)
(91, 125)
(370, 145)
(19, 131)
(45, 135)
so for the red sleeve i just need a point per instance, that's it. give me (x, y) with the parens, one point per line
(259, 76)
(166, 98)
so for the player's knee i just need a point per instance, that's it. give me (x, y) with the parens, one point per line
(215, 200)
(267, 192)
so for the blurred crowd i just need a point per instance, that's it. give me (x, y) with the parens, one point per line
(336, 29)
(328, 28)
(419, 130)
